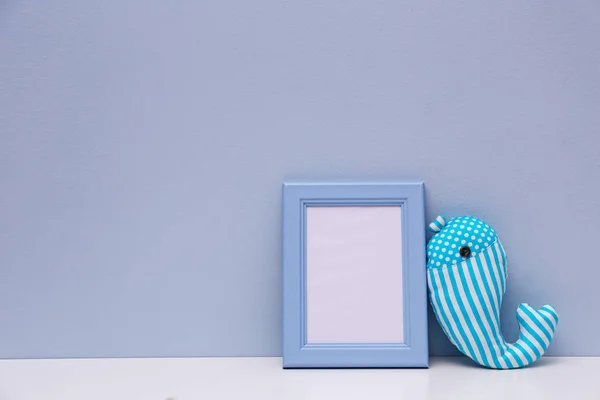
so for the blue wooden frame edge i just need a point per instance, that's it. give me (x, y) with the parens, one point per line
(299, 354)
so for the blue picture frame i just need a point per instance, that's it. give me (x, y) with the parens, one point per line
(297, 353)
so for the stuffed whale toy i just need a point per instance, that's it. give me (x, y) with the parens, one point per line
(466, 273)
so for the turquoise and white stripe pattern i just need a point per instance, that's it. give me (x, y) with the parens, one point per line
(438, 224)
(466, 293)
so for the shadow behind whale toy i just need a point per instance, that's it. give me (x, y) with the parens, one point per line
(466, 274)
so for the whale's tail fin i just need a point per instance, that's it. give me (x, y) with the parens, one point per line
(537, 331)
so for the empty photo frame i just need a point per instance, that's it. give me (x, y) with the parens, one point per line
(354, 283)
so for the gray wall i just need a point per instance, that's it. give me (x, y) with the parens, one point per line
(143, 145)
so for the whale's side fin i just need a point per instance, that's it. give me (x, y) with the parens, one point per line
(537, 332)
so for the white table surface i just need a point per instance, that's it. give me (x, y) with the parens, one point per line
(263, 378)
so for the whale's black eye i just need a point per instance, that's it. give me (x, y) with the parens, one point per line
(465, 251)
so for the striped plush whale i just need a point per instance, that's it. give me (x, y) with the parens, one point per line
(466, 271)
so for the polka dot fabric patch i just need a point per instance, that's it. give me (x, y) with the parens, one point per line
(444, 247)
